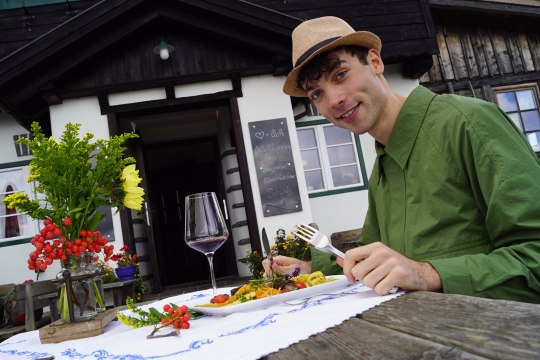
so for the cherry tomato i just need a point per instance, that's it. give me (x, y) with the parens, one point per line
(219, 299)
(300, 285)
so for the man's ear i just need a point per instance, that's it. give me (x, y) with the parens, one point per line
(375, 61)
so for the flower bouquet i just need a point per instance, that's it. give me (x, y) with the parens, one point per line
(74, 177)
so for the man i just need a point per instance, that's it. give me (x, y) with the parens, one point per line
(454, 195)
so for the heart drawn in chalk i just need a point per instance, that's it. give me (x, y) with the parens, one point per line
(259, 135)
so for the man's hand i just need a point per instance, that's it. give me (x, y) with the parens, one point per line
(286, 265)
(382, 268)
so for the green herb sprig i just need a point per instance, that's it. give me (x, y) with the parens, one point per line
(156, 318)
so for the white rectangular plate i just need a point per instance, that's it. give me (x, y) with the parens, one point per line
(339, 284)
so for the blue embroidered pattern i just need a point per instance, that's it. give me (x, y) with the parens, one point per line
(193, 346)
(23, 354)
(268, 319)
(105, 355)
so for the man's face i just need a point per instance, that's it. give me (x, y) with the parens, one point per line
(351, 95)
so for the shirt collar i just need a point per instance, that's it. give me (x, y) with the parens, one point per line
(407, 126)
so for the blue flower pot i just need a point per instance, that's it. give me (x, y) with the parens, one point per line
(126, 272)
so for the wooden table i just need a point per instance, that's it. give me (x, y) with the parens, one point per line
(425, 325)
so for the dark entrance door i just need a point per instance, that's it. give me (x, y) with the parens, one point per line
(176, 170)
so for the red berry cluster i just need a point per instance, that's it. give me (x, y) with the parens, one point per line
(51, 244)
(175, 316)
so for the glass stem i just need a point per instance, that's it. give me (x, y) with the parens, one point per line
(210, 257)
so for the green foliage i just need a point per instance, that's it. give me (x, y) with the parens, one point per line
(254, 260)
(74, 177)
(109, 276)
(144, 317)
(285, 245)
(290, 245)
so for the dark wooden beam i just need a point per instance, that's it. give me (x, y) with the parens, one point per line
(49, 93)
(103, 100)
(169, 92)
(256, 39)
(68, 33)
(498, 80)
(165, 103)
(417, 66)
(172, 81)
(487, 6)
(251, 13)
(236, 80)
(63, 64)
(247, 191)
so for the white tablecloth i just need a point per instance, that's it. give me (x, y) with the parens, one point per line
(248, 335)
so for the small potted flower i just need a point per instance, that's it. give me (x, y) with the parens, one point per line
(109, 275)
(126, 264)
(286, 245)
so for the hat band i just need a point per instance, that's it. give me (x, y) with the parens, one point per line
(312, 49)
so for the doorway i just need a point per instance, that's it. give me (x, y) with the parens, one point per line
(175, 170)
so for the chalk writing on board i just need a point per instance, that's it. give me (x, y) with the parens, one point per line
(276, 174)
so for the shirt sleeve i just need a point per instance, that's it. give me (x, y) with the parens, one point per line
(325, 263)
(504, 174)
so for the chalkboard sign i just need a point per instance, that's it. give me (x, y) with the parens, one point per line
(276, 175)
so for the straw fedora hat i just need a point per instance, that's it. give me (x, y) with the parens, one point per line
(315, 36)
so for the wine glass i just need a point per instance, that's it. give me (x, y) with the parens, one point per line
(205, 227)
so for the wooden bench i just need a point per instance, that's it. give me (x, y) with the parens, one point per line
(345, 240)
(35, 297)
(120, 291)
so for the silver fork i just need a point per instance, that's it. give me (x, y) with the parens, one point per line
(321, 242)
(317, 239)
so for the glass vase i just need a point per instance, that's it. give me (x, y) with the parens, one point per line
(84, 292)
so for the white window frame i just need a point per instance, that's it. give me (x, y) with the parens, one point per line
(29, 189)
(329, 189)
(515, 88)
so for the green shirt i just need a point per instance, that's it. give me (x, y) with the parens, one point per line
(458, 185)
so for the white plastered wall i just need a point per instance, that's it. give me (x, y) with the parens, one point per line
(264, 100)
(10, 127)
(13, 266)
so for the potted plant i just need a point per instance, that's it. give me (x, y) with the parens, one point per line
(285, 245)
(126, 264)
(73, 177)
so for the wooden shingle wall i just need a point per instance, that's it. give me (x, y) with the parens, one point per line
(479, 51)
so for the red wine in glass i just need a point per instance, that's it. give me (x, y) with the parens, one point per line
(205, 227)
(209, 245)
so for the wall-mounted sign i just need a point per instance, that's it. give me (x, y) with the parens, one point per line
(276, 175)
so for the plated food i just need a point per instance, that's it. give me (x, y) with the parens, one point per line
(262, 293)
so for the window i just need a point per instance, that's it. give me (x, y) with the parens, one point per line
(19, 226)
(105, 226)
(331, 158)
(22, 149)
(14, 225)
(521, 105)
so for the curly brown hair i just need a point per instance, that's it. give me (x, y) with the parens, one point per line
(327, 62)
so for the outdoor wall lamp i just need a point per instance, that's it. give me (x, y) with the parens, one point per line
(163, 49)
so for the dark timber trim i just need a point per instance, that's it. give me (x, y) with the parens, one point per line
(247, 192)
(475, 5)
(170, 102)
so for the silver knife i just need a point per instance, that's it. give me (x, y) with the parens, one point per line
(266, 246)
